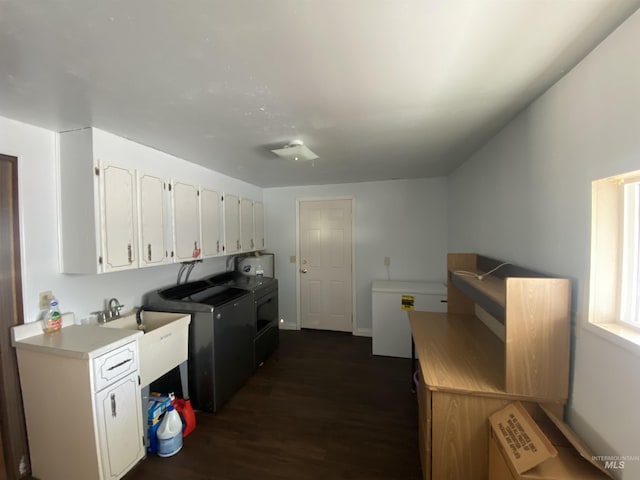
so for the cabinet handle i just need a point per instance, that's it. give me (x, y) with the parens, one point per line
(129, 253)
(238, 244)
(114, 413)
(118, 365)
(252, 244)
(217, 246)
(149, 252)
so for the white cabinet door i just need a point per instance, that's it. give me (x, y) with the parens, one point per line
(247, 242)
(119, 418)
(118, 214)
(97, 430)
(210, 222)
(231, 223)
(186, 222)
(152, 220)
(258, 225)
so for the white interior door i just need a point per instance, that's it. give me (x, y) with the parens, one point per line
(324, 262)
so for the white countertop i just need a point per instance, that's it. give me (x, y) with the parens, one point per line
(79, 341)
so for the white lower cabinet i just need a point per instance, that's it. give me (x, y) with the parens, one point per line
(82, 403)
(118, 424)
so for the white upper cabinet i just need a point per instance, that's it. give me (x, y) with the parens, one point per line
(210, 222)
(247, 242)
(118, 213)
(258, 225)
(186, 222)
(98, 218)
(244, 224)
(231, 224)
(152, 220)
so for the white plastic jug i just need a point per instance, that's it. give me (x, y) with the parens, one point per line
(169, 433)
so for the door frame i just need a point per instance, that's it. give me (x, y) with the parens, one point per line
(353, 256)
(13, 432)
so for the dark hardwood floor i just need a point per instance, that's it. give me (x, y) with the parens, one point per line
(321, 407)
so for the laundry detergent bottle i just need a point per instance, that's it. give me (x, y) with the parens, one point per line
(169, 433)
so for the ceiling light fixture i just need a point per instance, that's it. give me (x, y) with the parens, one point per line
(295, 150)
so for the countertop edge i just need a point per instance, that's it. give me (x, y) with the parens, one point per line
(104, 342)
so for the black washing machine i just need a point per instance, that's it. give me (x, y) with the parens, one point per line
(221, 337)
(264, 291)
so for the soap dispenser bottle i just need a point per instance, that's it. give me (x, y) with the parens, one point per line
(52, 320)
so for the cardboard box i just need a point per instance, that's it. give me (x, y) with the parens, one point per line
(523, 448)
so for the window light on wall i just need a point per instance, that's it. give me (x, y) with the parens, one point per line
(630, 278)
(614, 297)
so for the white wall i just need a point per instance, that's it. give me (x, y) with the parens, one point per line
(525, 198)
(37, 175)
(401, 219)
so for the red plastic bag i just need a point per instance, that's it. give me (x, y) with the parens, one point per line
(187, 414)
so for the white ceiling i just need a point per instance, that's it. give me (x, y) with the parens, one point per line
(379, 89)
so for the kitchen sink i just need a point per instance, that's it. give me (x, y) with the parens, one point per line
(164, 344)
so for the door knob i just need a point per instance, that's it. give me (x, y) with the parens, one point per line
(303, 270)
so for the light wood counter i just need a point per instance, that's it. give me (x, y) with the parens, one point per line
(462, 379)
(467, 372)
(457, 353)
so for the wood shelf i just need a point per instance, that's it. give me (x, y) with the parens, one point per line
(489, 293)
(534, 310)
(468, 372)
(492, 287)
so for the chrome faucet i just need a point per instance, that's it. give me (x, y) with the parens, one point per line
(113, 308)
(99, 316)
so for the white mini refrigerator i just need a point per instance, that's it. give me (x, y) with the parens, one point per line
(391, 299)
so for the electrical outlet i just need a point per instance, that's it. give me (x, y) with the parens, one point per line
(387, 261)
(44, 298)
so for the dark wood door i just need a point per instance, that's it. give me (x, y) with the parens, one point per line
(15, 463)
